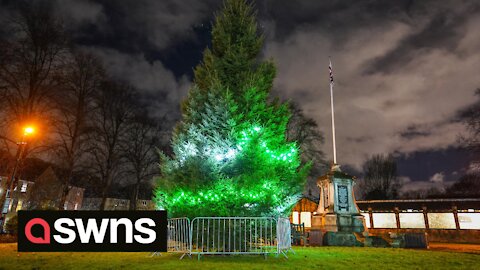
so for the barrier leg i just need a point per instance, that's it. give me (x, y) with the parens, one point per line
(156, 253)
(186, 253)
(284, 254)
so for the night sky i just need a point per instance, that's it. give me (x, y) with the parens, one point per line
(403, 69)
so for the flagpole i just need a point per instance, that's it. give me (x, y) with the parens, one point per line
(333, 116)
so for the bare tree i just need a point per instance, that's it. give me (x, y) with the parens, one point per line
(380, 178)
(81, 80)
(471, 118)
(140, 148)
(113, 111)
(468, 186)
(432, 192)
(304, 131)
(30, 60)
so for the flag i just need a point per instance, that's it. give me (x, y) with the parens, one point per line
(331, 71)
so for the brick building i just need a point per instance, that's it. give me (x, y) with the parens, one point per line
(43, 193)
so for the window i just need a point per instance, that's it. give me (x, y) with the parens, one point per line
(6, 206)
(384, 220)
(144, 203)
(469, 220)
(19, 205)
(412, 221)
(24, 188)
(306, 218)
(295, 218)
(441, 221)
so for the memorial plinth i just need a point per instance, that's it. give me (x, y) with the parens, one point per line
(338, 220)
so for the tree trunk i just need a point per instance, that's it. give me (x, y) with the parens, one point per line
(105, 190)
(133, 201)
(65, 190)
(104, 199)
(63, 197)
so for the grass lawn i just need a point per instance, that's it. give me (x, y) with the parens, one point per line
(305, 258)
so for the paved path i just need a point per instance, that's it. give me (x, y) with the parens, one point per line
(465, 248)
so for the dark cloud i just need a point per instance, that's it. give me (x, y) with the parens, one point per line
(77, 13)
(336, 18)
(359, 139)
(443, 31)
(158, 85)
(134, 26)
(414, 131)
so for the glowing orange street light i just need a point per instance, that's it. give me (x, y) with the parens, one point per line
(28, 130)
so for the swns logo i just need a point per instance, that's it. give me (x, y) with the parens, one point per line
(92, 231)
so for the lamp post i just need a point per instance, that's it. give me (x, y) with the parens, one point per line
(6, 196)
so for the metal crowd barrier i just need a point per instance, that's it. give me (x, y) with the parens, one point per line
(229, 235)
(236, 235)
(179, 236)
(284, 236)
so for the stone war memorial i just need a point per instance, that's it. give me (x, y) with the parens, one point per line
(337, 219)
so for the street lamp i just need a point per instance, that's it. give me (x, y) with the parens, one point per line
(6, 196)
(28, 130)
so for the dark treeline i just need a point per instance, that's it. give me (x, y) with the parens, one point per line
(381, 182)
(90, 128)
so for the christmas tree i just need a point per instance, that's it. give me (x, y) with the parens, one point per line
(231, 155)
